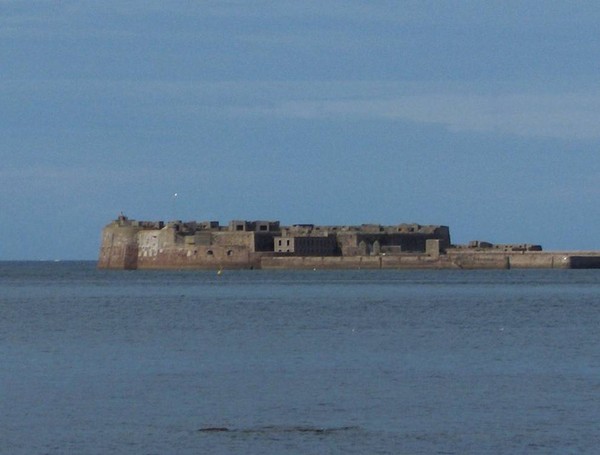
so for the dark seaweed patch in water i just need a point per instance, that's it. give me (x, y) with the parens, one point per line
(279, 429)
(213, 429)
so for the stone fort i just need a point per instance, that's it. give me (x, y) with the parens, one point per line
(131, 244)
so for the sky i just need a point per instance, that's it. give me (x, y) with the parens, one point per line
(480, 115)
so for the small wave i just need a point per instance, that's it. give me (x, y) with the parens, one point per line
(280, 429)
(214, 429)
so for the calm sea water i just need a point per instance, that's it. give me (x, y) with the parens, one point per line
(312, 362)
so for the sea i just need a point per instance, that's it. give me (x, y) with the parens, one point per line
(298, 362)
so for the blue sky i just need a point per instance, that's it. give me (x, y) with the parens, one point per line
(481, 115)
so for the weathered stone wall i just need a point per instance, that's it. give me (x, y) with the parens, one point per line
(229, 238)
(359, 243)
(201, 257)
(462, 260)
(518, 260)
(119, 248)
(148, 243)
(357, 262)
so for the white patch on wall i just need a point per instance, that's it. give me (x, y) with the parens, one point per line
(148, 243)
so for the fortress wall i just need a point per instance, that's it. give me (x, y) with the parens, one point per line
(319, 262)
(148, 243)
(516, 260)
(348, 243)
(416, 261)
(472, 260)
(463, 260)
(359, 243)
(539, 261)
(118, 247)
(167, 237)
(357, 262)
(230, 238)
(200, 257)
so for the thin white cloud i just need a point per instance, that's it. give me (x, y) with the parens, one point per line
(44, 177)
(564, 115)
(550, 112)
(51, 176)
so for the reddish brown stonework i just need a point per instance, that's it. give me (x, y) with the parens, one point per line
(130, 244)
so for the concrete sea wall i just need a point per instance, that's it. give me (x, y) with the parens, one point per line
(456, 260)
